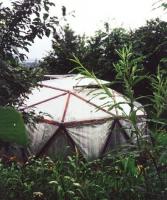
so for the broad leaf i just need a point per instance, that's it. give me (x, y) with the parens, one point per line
(12, 127)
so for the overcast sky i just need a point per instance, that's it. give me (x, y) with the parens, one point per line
(90, 15)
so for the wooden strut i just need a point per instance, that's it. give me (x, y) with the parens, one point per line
(51, 122)
(71, 124)
(54, 88)
(76, 123)
(66, 107)
(86, 122)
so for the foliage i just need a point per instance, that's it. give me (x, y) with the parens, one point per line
(101, 52)
(113, 177)
(149, 41)
(65, 44)
(128, 70)
(159, 86)
(16, 82)
(94, 52)
(160, 4)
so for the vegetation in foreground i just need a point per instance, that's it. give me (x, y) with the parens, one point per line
(132, 171)
(110, 178)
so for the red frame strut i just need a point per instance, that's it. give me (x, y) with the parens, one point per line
(66, 107)
(73, 123)
(78, 96)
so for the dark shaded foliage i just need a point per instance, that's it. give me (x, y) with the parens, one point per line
(150, 41)
(97, 53)
(15, 82)
(65, 45)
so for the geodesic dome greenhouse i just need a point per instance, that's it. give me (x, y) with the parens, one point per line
(79, 116)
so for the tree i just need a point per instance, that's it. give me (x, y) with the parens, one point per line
(15, 82)
(161, 4)
(19, 26)
(150, 42)
(101, 51)
(97, 53)
(64, 46)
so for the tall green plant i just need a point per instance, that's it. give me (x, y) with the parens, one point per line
(159, 86)
(147, 152)
(128, 72)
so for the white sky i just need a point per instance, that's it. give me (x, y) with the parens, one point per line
(90, 16)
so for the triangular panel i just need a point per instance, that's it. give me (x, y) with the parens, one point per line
(39, 135)
(40, 94)
(61, 147)
(79, 110)
(90, 139)
(53, 109)
(117, 136)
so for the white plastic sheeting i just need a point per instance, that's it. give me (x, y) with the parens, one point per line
(79, 116)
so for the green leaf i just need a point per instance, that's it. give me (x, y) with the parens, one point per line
(12, 127)
(45, 16)
(133, 117)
